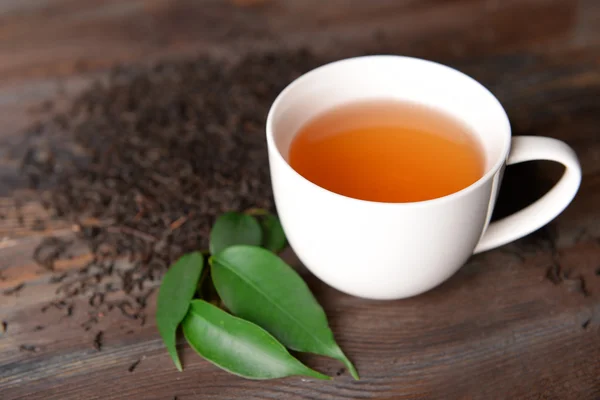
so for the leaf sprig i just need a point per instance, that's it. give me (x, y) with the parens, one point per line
(272, 306)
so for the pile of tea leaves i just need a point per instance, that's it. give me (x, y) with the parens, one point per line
(160, 152)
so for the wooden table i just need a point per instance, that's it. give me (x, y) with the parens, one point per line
(519, 322)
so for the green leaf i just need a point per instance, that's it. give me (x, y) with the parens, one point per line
(273, 235)
(257, 285)
(239, 347)
(234, 228)
(176, 291)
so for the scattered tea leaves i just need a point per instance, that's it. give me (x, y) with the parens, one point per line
(257, 285)
(553, 274)
(273, 235)
(234, 228)
(106, 162)
(98, 341)
(576, 285)
(49, 251)
(239, 347)
(176, 292)
(586, 323)
(15, 290)
(133, 366)
(29, 348)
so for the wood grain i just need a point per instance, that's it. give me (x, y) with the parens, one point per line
(62, 37)
(498, 329)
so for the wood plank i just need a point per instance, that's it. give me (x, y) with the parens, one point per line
(41, 41)
(499, 311)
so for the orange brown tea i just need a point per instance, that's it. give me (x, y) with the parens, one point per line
(387, 151)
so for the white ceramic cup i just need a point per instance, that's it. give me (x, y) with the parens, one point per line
(397, 250)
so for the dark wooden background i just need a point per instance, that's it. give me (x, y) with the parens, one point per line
(501, 328)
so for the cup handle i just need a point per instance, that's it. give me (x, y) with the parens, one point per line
(544, 210)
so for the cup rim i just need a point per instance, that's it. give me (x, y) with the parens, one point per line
(274, 150)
